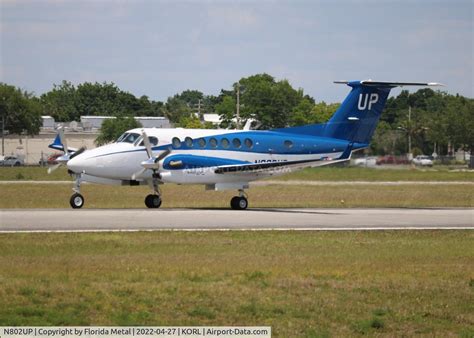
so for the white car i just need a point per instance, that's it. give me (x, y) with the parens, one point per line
(365, 161)
(12, 161)
(423, 160)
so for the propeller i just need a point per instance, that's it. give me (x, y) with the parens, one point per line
(152, 163)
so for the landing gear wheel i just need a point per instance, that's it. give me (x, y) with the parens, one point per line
(76, 201)
(239, 203)
(153, 201)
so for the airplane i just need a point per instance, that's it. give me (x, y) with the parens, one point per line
(228, 159)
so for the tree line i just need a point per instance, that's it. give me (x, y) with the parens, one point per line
(437, 120)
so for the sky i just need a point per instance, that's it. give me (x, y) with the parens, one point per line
(160, 48)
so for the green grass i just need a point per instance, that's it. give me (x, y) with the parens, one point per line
(319, 174)
(302, 284)
(174, 196)
(371, 174)
(33, 174)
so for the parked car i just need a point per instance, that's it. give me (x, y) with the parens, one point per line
(369, 161)
(423, 160)
(12, 161)
(391, 159)
(50, 160)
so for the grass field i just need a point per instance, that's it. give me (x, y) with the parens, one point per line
(321, 174)
(174, 196)
(303, 284)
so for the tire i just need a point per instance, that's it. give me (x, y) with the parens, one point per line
(153, 201)
(239, 203)
(17, 164)
(76, 201)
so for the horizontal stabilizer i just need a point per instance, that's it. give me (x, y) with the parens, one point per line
(388, 83)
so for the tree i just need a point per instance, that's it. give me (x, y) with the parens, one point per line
(307, 112)
(176, 109)
(262, 98)
(226, 110)
(112, 128)
(65, 102)
(22, 111)
(61, 102)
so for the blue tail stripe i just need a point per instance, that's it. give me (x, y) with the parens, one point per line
(356, 118)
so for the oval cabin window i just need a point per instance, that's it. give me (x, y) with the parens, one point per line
(236, 142)
(248, 143)
(225, 143)
(176, 142)
(213, 142)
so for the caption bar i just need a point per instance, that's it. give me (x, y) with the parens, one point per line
(135, 331)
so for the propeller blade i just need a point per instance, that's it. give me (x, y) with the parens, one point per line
(163, 155)
(53, 168)
(78, 152)
(138, 173)
(147, 144)
(63, 140)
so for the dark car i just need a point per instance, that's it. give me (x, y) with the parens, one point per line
(50, 160)
(391, 159)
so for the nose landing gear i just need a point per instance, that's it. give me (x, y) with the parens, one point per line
(239, 202)
(77, 200)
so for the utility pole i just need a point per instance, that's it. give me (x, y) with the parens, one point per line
(3, 126)
(237, 108)
(199, 110)
(3, 134)
(410, 155)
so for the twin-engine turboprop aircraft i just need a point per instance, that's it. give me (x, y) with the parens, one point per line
(228, 159)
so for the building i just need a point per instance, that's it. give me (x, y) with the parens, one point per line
(48, 122)
(78, 134)
(153, 121)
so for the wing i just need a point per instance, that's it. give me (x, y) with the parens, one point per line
(279, 166)
(274, 166)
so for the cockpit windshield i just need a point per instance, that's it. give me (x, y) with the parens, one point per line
(139, 142)
(128, 137)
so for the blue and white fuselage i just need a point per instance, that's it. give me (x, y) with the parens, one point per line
(229, 159)
(196, 155)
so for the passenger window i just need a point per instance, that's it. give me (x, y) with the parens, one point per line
(189, 142)
(176, 142)
(225, 143)
(202, 142)
(288, 144)
(213, 142)
(248, 142)
(236, 143)
(153, 140)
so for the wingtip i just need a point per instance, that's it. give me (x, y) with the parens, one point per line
(436, 84)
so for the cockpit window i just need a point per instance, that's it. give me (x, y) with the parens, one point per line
(121, 137)
(153, 141)
(128, 137)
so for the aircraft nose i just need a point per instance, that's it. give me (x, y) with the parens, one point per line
(77, 164)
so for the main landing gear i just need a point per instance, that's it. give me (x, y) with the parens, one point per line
(77, 200)
(239, 202)
(153, 201)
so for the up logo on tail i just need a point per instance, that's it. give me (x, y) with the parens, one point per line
(367, 100)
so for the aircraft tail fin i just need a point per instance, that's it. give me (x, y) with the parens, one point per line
(357, 117)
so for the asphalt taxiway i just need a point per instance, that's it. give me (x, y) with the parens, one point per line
(90, 220)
